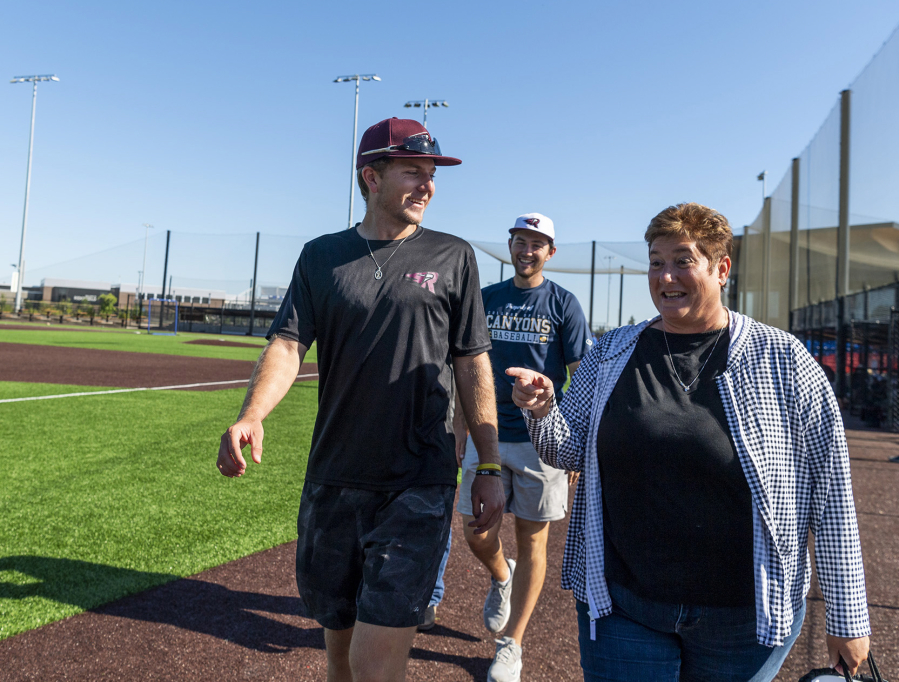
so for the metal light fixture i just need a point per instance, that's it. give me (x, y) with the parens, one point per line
(426, 104)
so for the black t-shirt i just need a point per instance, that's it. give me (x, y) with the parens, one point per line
(384, 353)
(676, 504)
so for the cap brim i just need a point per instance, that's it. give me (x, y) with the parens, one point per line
(438, 160)
(513, 230)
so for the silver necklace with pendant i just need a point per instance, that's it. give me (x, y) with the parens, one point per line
(378, 273)
(684, 386)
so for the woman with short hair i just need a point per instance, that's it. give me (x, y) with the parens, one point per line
(710, 445)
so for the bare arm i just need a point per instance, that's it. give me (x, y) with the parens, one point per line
(460, 429)
(474, 381)
(275, 372)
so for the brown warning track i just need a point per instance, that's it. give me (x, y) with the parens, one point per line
(120, 369)
(237, 621)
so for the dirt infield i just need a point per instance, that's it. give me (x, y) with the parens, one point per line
(119, 369)
(237, 621)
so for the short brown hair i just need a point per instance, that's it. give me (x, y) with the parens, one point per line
(701, 224)
(378, 166)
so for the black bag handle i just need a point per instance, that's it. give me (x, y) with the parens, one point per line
(875, 671)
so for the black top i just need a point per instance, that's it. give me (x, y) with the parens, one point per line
(384, 353)
(676, 504)
(541, 328)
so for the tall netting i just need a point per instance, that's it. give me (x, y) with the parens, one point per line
(201, 267)
(114, 265)
(206, 264)
(225, 263)
(162, 316)
(752, 259)
(873, 208)
(874, 171)
(578, 257)
(278, 256)
(819, 212)
(780, 217)
(849, 171)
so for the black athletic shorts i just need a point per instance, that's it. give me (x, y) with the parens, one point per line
(371, 557)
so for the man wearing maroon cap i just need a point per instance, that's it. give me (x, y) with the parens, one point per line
(396, 311)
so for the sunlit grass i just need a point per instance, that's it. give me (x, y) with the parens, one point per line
(109, 495)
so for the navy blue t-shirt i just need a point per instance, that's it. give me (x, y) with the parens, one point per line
(542, 329)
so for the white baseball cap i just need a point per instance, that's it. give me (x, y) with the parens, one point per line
(536, 222)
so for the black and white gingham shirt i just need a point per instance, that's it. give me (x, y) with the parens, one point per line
(788, 433)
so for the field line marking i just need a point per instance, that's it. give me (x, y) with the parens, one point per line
(133, 390)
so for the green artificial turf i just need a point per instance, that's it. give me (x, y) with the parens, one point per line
(108, 495)
(21, 389)
(141, 342)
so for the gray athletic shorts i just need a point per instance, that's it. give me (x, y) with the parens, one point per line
(534, 491)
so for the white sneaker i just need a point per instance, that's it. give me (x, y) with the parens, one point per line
(506, 665)
(496, 606)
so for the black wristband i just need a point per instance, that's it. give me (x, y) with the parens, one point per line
(487, 472)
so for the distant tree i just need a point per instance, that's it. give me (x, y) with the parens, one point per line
(4, 306)
(63, 306)
(108, 303)
(631, 320)
(86, 308)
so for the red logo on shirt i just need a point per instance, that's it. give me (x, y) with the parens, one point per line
(423, 279)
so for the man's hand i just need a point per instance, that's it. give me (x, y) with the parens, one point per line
(531, 391)
(273, 376)
(230, 460)
(573, 476)
(487, 502)
(854, 650)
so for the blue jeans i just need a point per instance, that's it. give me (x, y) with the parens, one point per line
(439, 588)
(647, 640)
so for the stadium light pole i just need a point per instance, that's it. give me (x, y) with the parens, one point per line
(426, 104)
(346, 79)
(34, 80)
(763, 178)
(609, 290)
(147, 228)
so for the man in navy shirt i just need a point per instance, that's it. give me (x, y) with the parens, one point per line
(533, 323)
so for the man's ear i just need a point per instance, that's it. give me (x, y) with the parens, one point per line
(371, 178)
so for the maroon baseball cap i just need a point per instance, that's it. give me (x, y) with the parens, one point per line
(400, 138)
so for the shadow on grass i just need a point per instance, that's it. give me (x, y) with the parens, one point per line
(70, 581)
(191, 604)
(261, 622)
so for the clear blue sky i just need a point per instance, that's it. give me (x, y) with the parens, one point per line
(222, 118)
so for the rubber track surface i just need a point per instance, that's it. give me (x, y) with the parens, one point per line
(119, 369)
